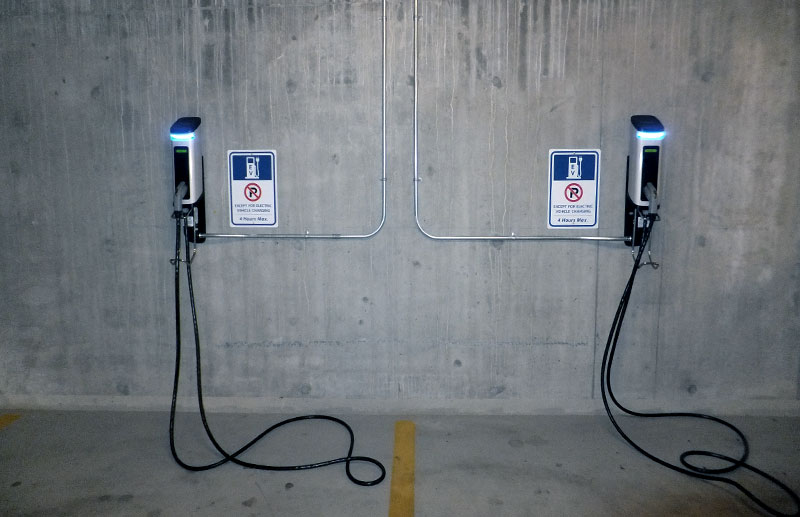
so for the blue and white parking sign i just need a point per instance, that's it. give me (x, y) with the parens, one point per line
(573, 188)
(251, 178)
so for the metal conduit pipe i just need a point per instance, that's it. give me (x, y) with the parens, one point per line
(511, 237)
(309, 235)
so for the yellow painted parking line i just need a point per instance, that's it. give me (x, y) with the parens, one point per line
(401, 499)
(7, 419)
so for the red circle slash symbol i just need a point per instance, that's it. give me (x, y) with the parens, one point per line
(573, 192)
(252, 192)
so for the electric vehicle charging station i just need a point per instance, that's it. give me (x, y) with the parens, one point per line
(189, 170)
(643, 167)
(189, 214)
(641, 213)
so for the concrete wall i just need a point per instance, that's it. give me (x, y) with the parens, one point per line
(399, 322)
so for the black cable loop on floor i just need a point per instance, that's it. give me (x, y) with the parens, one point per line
(710, 474)
(234, 457)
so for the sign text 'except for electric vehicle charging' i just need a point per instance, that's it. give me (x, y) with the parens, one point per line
(252, 187)
(572, 189)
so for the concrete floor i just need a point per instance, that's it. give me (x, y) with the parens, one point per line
(118, 463)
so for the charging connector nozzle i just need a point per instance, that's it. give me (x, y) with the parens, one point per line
(651, 194)
(177, 201)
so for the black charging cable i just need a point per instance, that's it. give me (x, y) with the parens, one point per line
(234, 457)
(711, 474)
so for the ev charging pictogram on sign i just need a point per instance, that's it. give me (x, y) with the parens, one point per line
(573, 188)
(252, 187)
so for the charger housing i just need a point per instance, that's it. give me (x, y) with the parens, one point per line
(188, 167)
(643, 169)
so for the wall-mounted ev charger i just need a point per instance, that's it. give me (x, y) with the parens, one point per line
(644, 165)
(641, 212)
(188, 207)
(189, 174)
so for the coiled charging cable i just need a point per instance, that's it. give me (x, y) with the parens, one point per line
(711, 474)
(234, 456)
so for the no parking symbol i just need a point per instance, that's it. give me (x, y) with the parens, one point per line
(252, 192)
(573, 192)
